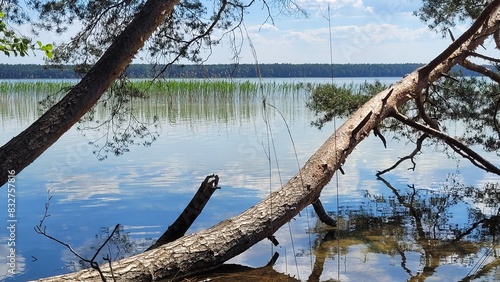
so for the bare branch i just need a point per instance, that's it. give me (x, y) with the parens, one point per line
(377, 133)
(105, 242)
(410, 157)
(322, 215)
(484, 57)
(42, 230)
(110, 267)
(480, 69)
(495, 119)
(456, 145)
(451, 35)
(419, 101)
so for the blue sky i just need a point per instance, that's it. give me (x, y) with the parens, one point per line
(363, 31)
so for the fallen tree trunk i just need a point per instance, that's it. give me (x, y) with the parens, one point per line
(211, 247)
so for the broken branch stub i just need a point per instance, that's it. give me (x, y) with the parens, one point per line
(190, 213)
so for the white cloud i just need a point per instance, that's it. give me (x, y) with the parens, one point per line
(348, 34)
(285, 44)
(266, 27)
(375, 33)
(84, 187)
(334, 4)
(319, 35)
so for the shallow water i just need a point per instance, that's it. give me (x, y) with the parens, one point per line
(401, 228)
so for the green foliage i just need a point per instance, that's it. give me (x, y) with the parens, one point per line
(223, 71)
(466, 107)
(472, 102)
(47, 48)
(10, 43)
(329, 101)
(440, 15)
(185, 34)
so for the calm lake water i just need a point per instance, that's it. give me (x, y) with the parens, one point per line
(437, 223)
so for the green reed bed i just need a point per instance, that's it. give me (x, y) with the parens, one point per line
(195, 100)
(40, 86)
(220, 100)
(194, 86)
(190, 95)
(203, 86)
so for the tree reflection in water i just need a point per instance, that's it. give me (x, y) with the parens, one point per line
(424, 229)
(419, 227)
(421, 221)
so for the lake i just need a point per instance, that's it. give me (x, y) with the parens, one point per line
(437, 223)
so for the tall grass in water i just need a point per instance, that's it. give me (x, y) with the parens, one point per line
(198, 86)
(33, 87)
(174, 100)
(219, 101)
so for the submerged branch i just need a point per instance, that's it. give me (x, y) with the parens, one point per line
(322, 215)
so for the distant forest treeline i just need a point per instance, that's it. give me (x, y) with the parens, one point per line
(225, 71)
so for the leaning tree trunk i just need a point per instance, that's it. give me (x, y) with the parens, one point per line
(23, 149)
(211, 247)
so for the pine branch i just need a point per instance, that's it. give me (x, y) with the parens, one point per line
(456, 145)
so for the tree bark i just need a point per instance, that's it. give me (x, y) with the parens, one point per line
(211, 247)
(23, 149)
